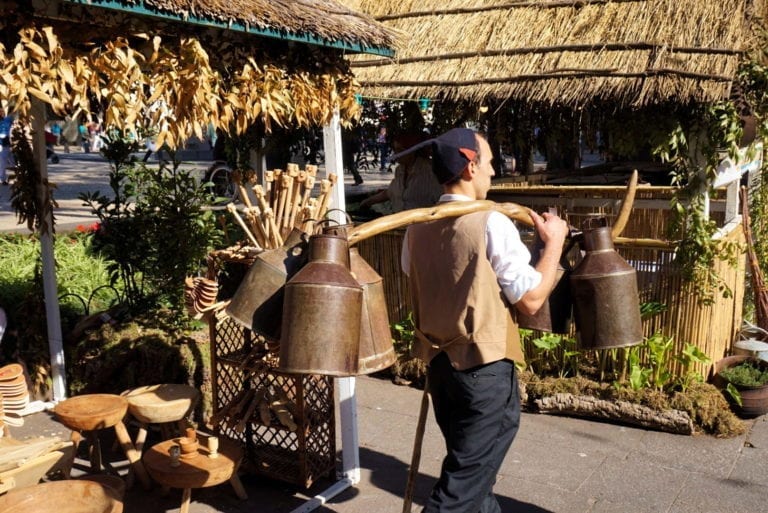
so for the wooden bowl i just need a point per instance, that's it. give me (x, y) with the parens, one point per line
(188, 447)
(68, 496)
(91, 411)
(155, 404)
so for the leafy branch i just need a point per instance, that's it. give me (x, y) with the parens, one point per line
(695, 147)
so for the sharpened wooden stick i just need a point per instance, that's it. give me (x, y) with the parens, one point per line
(269, 183)
(296, 197)
(259, 397)
(324, 198)
(237, 177)
(293, 174)
(252, 215)
(309, 184)
(284, 184)
(261, 199)
(233, 210)
(277, 240)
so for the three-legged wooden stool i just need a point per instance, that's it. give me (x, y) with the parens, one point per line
(166, 405)
(197, 471)
(86, 414)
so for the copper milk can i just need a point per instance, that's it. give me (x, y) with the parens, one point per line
(258, 301)
(605, 299)
(376, 350)
(321, 312)
(554, 316)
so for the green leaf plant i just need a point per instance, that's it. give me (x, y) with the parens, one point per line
(655, 372)
(702, 136)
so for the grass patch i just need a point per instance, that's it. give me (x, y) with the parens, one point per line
(83, 287)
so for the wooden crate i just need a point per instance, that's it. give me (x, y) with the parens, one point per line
(299, 457)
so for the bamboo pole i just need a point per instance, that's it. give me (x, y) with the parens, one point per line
(500, 6)
(554, 74)
(532, 50)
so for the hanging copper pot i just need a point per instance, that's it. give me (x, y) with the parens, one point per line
(321, 313)
(605, 298)
(554, 316)
(376, 351)
(258, 301)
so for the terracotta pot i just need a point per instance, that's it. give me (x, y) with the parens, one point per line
(754, 400)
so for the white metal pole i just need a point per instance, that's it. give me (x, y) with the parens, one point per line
(50, 288)
(335, 164)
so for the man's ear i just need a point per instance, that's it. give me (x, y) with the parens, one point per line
(469, 171)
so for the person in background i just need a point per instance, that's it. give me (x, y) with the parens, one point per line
(56, 132)
(383, 144)
(464, 274)
(69, 133)
(414, 184)
(6, 122)
(84, 137)
(350, 145)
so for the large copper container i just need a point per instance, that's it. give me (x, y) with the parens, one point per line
(554, 316)
(376, 349)
(258, 301)
(322, 312)
(605, 299)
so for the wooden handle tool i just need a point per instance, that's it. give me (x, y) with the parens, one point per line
(233, 210)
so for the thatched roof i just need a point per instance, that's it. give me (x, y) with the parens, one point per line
(323, 22)
(560, 52)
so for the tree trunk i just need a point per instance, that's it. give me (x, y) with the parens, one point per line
(670, 421)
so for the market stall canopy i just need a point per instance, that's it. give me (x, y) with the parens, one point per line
(571, 53)
(177, 66)
(319, 22)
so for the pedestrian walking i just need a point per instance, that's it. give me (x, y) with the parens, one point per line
(6, 123)
(464, 274)
(382, 141)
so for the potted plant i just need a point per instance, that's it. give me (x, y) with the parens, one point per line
(744, 378)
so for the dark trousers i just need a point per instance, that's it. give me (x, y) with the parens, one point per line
(478, 411)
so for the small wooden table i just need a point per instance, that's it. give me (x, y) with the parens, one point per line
(90, 412)
(201, 471)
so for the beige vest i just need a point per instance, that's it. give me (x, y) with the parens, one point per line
(459, 306)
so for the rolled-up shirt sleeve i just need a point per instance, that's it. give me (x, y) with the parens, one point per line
(509, 258)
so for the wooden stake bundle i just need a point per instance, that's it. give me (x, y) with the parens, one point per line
(287, 203)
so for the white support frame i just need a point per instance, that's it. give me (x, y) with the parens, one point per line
(50, 287)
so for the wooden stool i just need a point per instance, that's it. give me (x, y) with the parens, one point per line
(160, 404)
(199, 471)
(91, 412)
(67, 496)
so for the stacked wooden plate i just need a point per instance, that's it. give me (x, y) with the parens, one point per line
(15, 396)
(200, 295)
